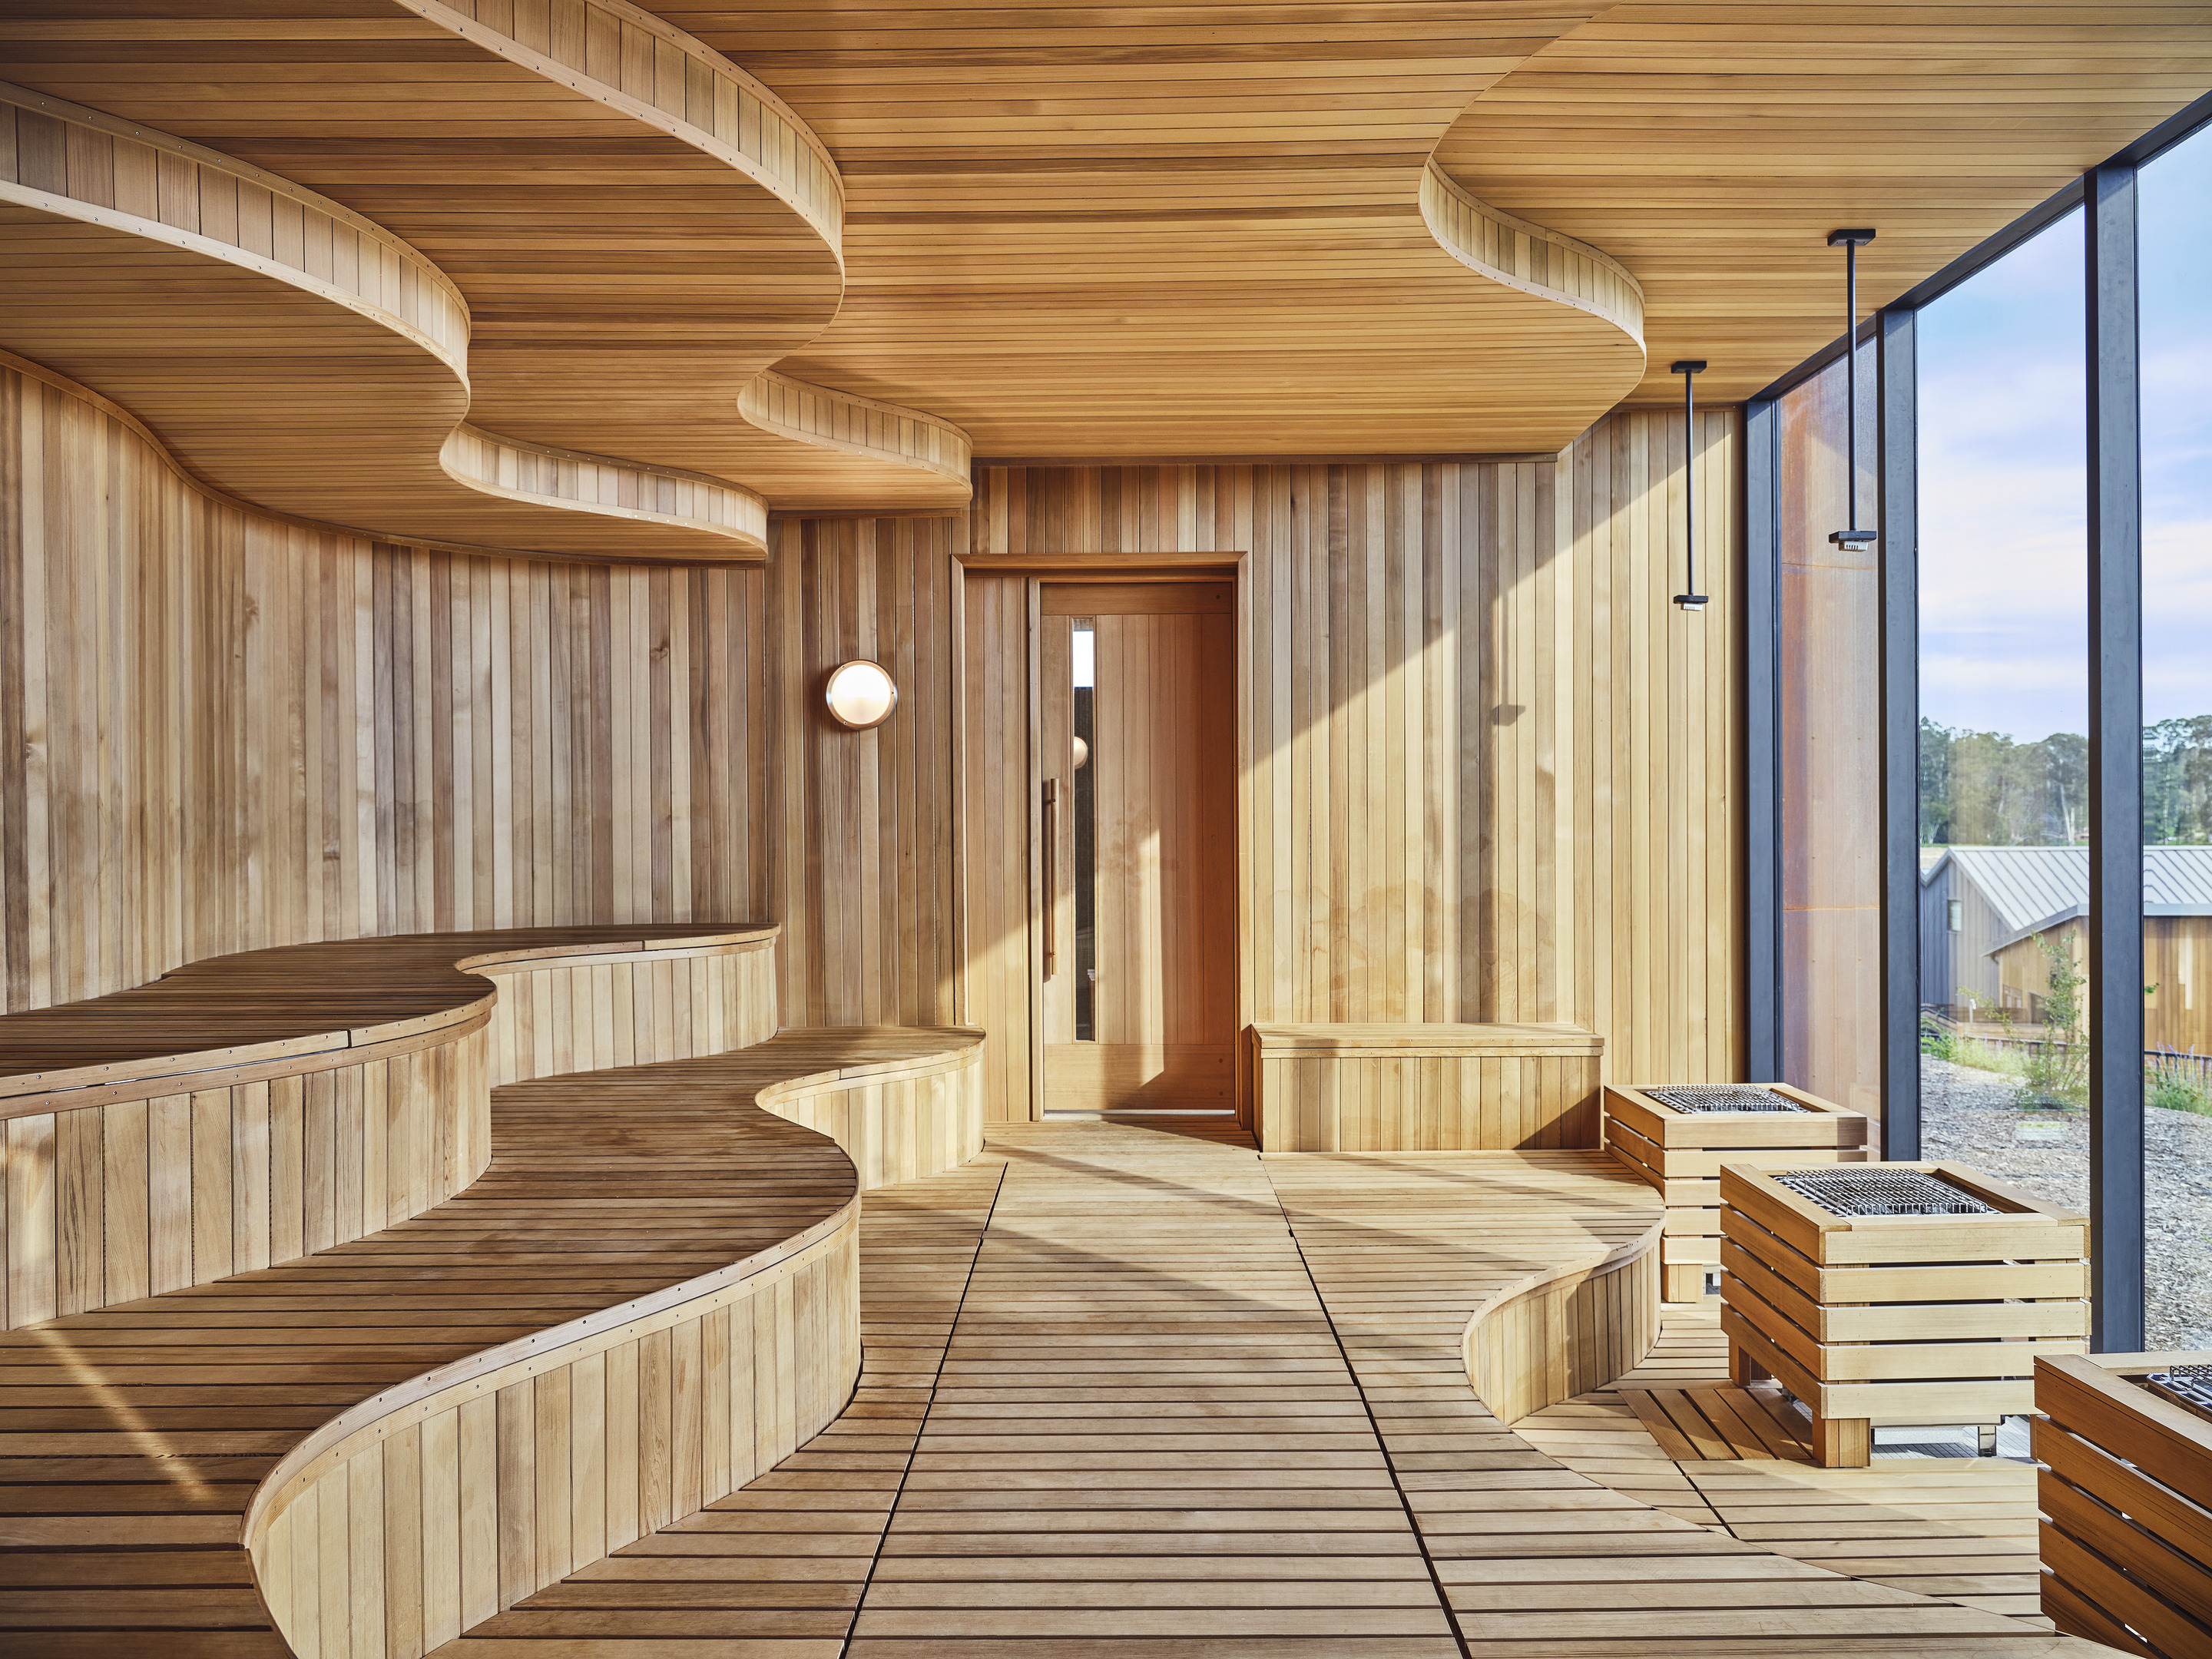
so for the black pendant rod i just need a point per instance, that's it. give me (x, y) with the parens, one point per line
(1851, 241)
(1690, 600)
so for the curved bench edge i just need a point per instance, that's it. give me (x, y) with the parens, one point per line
(490, 1369)
(415, 1399)
(190, 1071)
(1566, 1280)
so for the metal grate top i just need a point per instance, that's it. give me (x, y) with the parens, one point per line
(2188, 1385)
(1883, 1192)
(1710, 1098)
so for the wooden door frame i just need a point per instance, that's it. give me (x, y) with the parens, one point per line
(1105, 566)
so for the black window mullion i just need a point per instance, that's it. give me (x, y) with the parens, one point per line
(1898, 466)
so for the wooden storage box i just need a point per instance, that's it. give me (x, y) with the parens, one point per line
(2126, 1495)
(1904, 1319)
(1408, 1088)
(1681, 1154)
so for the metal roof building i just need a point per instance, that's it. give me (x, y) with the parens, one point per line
(1974, 901)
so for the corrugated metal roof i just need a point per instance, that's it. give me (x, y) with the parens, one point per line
(2032, 887)
(2177, 881)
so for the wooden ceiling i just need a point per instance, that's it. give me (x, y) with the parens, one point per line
(1173, 229)
(1371, 227)
(1712, 147)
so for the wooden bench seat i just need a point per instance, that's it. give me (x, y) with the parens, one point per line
(248, 1108)
(646, 1298)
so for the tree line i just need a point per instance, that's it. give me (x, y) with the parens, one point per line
(1985, 789)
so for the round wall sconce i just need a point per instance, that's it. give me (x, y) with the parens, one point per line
(860, 694)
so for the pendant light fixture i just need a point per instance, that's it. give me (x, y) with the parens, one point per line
(1691, 602)
(1851, 538)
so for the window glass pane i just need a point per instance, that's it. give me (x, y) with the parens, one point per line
(2175, 210)
(2004, 714)
(1085, 656)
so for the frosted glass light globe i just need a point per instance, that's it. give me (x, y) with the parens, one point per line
(861, 694)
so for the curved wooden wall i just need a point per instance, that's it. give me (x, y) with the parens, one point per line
(226, 731)
(1566, 1330)
(135, 1168)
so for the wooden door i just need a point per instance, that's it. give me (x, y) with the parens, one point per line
(1136, 941)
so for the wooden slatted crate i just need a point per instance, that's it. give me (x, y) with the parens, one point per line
(2126, 1495)
(1897, 1320)
(1681, 1154)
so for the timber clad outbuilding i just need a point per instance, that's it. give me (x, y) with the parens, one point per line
(1990, 914)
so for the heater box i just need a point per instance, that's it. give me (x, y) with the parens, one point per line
(1680, 1152)
(1898, 1319)
(2125, 1492)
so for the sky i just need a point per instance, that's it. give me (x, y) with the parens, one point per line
(2003, 581)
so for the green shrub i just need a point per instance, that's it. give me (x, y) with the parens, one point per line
(1936, 1040)
(2055, 1069)
(2176, 1083)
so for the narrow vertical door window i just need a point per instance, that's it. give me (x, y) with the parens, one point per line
(1084, 660)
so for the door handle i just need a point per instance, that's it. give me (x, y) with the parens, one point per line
(1051, 867)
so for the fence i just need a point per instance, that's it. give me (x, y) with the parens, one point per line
(2163, 1063)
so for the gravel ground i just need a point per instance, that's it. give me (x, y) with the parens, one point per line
(1970, 1117)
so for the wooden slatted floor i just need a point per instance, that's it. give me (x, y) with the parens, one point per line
(1197, 1403)
(132, 1438)
(1677, 1434)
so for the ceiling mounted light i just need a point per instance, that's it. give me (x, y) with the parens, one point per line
(860, 694)
(1851, 538)
(1691, 602)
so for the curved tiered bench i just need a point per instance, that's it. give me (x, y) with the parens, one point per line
(247, 1109)
(650, 1290)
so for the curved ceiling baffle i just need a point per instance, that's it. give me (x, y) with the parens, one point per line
(1185, 231)
(632, 251)
(1526, 256)
(293, 355)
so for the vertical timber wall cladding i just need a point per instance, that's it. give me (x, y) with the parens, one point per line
(1492, 774)
(863, 826)
(225, 730)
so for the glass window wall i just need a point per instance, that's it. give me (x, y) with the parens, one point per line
(2004, 706)
(2174, 206)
